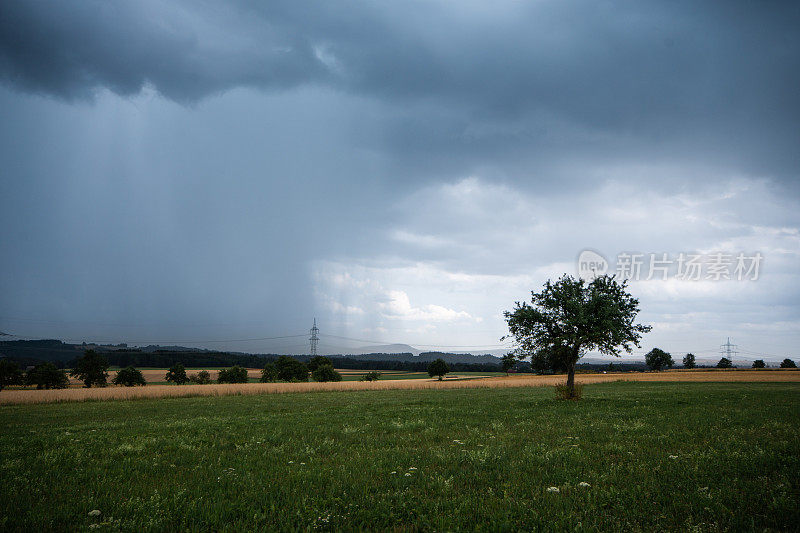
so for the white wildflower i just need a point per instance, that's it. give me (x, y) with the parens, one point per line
(393, 472)
(412, 467)
(553, 489)
(408, 474)
(584, 485)
(673, 456)
(95, 512)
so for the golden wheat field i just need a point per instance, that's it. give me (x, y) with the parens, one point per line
(170, 391)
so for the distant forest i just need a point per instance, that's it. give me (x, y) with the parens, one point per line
(29, 353)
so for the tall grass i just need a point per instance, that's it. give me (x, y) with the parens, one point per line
(172, 391)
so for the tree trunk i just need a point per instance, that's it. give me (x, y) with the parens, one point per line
(571, 379)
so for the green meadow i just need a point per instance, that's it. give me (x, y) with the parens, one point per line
(629, 456)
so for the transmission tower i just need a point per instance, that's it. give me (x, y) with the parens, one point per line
(314, 338)
(728, 350)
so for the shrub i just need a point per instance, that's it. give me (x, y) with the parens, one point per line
(177, 374)
(326, 373)
(788, 363)
(234, 374)
(290, 369)
(10, 374)
(438, 369)
(317, 362)
(373, 375)
(47, 376)
(91, 369)
(130, 377)
(759, 363)
(563, 392)
(201, 378)
(269, 374)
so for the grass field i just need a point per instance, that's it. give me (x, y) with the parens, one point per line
(704, 456)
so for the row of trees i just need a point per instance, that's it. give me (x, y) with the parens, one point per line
(658, 359)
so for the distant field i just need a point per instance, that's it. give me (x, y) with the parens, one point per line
(398, 381)
(656, 456)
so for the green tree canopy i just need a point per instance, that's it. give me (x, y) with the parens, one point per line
(269, 374)
(725, 363)
(10, 373)
(47, 376)
(759, 363)
(788, 363)
(290, 369)
(177, 374)
(326, 373)
(92, 369)
(234, 374)
(129, 376)
(318, 361)
(570, 317)
(658, 359)
(201, 378)
(689, 361)
(438, 368)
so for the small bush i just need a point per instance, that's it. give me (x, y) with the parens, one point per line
(130, 377)
(374, 375)
(201, 378)
(563, 392)
(234, 374)
(759, 363)
(269, 374)
(326, 373)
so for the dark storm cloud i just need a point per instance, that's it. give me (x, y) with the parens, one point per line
(711, 81)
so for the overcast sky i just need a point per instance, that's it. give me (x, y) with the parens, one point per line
(403, 172)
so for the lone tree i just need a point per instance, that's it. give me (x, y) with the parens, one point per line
(129, 376)
(688, 361)
(47, 376)
(572, 316)
(177, 374)
(725, 363)
(234, 374)
(657, 359)
(326, 373)
(438, 369)
(10, 374)
(508, 362)
(92, 369)
(788, 363)
(759, 363)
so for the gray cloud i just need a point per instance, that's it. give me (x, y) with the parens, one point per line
(714, 81)
(219, 169)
